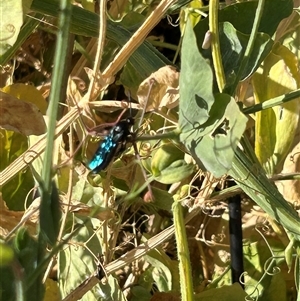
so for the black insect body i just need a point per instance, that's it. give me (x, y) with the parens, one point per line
(112, 145)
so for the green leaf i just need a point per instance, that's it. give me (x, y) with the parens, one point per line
(233, 44)
(140, 294)
(241, 16)
(277, 289)
(26, 249)
(236, 23)
(164, 156)
(110, 290)
(210, 127)
(216, 150)
(176, 172)
(76, 262)
(6, 255)
(165, 270)
(196, 81)
(162, 199)
(7, 284)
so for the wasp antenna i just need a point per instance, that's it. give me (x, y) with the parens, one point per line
(129, 101)
(152, 81)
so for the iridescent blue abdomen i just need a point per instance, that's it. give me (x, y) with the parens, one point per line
(112, 145)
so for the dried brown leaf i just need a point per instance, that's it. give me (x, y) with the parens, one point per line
(20, 116)
(164, 91)
(291, 189)
(9, 219)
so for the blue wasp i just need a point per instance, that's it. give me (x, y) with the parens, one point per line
(115, 142)
(112, 145)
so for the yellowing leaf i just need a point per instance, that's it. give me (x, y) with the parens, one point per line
(191, 13)
(276, 127)
(52, 291)
(27, 93)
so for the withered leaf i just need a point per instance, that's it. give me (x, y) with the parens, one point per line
(164, 90)
(20, 116)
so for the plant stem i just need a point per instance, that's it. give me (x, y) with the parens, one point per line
(185, 269)
(272, 102)
(58, 72)
(215, 45)
(250, 45)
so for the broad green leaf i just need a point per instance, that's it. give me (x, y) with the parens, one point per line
(277, 289)
(233, 45)
(216, 150)
(7, 284)
(76, 262)
(255, 256)
(236, 22)
(164, 157)
(241, 16)
(87, 194)
(110, 290)
(276, 127)
(165, 270)
(175, 172)
(196, 81)
(210, 127)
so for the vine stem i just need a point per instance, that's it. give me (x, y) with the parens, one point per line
(185, 269)
(215, 45)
